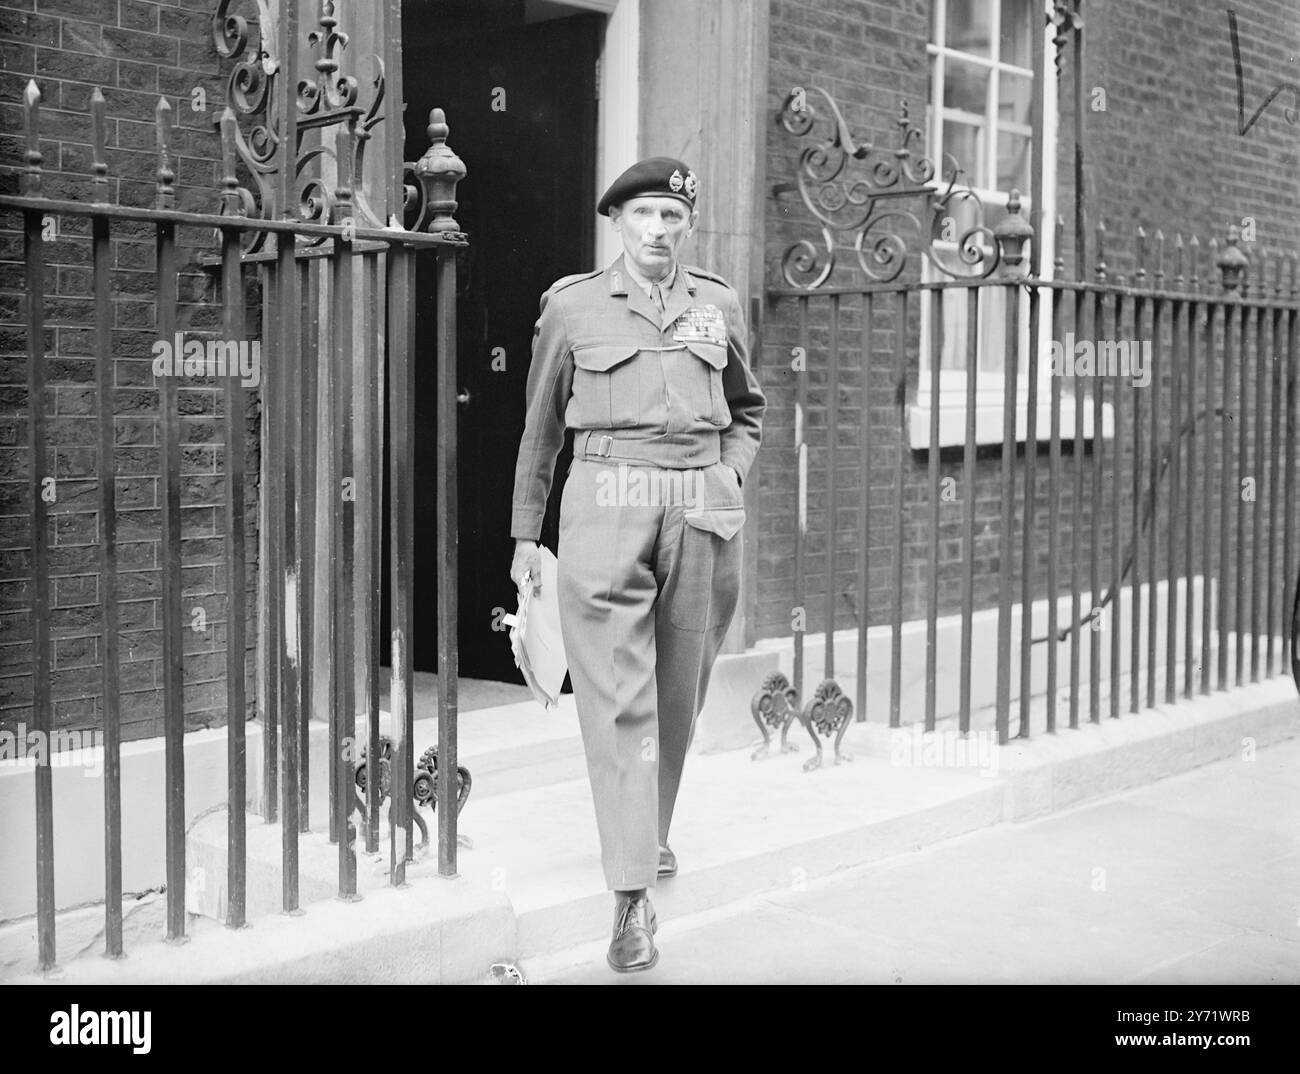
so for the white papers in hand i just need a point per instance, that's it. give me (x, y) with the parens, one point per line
(535, 638)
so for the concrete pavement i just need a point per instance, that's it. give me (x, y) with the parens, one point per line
(1192, 880)
(772, 844)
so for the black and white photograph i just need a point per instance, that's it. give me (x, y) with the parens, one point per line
(651, 492)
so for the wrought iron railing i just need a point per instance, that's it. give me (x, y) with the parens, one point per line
(1173, 500)
(298, 224)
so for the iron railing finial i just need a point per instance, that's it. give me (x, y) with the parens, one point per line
(99, 159)
(32, 157)
(166, 175)
(1231, 262)
(1012, 232)
(438, 172)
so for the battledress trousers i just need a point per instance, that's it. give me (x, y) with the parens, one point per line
(667, 417)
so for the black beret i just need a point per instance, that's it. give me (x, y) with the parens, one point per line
(658, 176)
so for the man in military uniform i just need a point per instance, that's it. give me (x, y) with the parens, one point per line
(647, 361)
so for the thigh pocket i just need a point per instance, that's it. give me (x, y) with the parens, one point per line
(704, 587)
(708, 400)
(605, 384)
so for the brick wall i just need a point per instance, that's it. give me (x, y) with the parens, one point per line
(135, 51)
(1166, 154)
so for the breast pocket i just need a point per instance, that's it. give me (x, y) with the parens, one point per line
(708, 400)
(605, 384)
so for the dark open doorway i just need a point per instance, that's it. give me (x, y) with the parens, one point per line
(517, 80)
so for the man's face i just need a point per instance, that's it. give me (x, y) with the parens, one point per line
(653, 229)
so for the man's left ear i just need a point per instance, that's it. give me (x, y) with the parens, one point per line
(690, 223)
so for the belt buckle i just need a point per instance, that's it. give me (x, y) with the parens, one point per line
(604, 445)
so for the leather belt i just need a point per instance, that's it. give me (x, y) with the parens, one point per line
(671, 451)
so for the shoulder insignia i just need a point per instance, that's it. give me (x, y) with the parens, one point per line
(567, 281)
(705, 274)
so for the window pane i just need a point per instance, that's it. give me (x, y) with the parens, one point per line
(965, 86)
(1013, 162)
(1015, 96)
(995, 208)
(970, 26)
(1017, 24)
(953, 353)
(966, 144)
(993, 329)
(961, 214)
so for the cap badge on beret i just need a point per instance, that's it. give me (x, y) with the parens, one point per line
(652, 177)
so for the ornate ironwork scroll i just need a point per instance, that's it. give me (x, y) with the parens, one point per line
(774, 705)
(424, 787)
(828, 713)
(331, 99)
(867, 212)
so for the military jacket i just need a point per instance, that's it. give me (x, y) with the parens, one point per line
(606, 358)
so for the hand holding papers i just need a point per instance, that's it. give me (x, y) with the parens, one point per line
(535, 637)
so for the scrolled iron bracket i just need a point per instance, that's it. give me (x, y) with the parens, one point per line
(774, 705)
(424, 786)
(854, 210)
(829, 712)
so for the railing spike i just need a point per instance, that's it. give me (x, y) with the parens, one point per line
(1141, 273)
(166, 193)
(1263, 273)
(1159, 274)
(99, 163)
(1295, 277)
(1101, 250)
(1058, 262)
(32, 117)
(1180, 252)
(1194, 256)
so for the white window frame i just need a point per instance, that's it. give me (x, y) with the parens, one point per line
(991, 385)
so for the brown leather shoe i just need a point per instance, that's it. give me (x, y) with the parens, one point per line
(633, 946)
(667, 861)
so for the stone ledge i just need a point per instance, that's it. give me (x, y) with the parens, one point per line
(1053, 772)
(433, 931)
